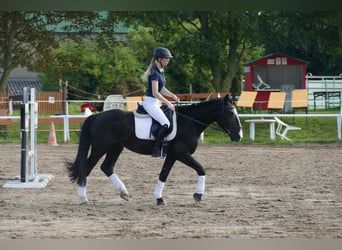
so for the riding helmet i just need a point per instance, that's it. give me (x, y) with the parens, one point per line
(162, 52)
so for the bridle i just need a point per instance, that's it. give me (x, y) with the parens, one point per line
(213, 125)
(223, 111)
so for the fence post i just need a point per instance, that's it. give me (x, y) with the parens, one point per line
(64, 96)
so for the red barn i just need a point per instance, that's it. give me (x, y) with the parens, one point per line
(274, 72)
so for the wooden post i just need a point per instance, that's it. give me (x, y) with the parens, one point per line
(64, 86)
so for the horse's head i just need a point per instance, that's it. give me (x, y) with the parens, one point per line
(229, 121)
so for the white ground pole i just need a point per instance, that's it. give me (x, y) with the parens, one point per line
(33, 180)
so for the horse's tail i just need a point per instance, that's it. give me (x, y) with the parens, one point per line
(78, 170)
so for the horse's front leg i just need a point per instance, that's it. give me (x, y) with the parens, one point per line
(188, 160)
(164, 173)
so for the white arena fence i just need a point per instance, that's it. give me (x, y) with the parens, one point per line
(120, 103)
(337, 116)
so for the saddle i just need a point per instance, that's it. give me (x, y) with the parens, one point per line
(140, 112)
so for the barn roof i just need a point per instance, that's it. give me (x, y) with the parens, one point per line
(15, 86)
(274, 54)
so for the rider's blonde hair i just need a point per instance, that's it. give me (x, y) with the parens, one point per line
(148, 71)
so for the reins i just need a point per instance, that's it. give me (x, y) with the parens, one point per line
(213, 125)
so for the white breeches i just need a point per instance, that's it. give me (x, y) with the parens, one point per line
(152, 107)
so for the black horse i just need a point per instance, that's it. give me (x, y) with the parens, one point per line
(109, 132)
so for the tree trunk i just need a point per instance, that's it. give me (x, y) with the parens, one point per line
(8, 49)
(3, 79)
(234, 62)
(340, 26)
(215, 71)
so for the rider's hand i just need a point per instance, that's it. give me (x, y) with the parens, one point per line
(176, 98)
(171, 106)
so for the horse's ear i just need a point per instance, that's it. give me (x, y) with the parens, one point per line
(228, 98)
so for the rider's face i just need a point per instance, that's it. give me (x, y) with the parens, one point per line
(164, 61)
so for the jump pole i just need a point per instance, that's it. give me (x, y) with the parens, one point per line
(29, 123)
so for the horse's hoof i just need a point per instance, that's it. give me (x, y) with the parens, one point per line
(161, 202)
(124, 195)
(84, 201)
(197, 197)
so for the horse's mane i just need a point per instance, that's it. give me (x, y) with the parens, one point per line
(199, 105)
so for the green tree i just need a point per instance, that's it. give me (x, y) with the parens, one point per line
(97, 66)
(25, 35)
(312, 36)
(142, 42)
(209, 46)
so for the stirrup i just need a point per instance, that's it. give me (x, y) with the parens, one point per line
(156, 153)
(161, 153)
(163, 149)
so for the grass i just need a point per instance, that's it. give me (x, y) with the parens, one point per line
(13, 134)
(313, 130)
(320, 130)
(317, 130)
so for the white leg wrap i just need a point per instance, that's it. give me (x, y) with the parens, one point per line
(117, 182)
(158, 190)
(200, 184)
(82, 191)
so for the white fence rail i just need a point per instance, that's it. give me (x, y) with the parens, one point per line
(338, 117)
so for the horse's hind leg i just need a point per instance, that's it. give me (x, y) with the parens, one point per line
(93, 158)
(108, 168)
(82, 193)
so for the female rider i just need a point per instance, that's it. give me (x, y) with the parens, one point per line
(156, 90)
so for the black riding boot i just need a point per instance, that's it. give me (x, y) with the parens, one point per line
(158, 143)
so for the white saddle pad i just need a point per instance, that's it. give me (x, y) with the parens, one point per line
(143, 127)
